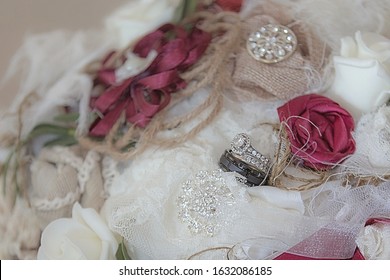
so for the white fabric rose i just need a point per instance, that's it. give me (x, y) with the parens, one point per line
(84, 236)
(374, 241)
(362, 73)
(139, 17)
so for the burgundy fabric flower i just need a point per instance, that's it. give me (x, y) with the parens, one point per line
(230, 5)
(140, 97)
(319, 130)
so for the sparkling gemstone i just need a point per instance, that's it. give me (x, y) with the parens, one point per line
(269, 56)
(280, 52)
(272, 40)
(240, 143)
(288, 47)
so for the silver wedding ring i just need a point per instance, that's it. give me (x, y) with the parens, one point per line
(242, 149)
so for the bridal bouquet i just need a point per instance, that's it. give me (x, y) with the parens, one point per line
(225, 129)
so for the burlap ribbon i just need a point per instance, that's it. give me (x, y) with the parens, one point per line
(286, 79)
(60, 176)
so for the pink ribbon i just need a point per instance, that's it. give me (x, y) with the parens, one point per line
(356, 256)
(147, 93)
(288, 256)
(230, 5)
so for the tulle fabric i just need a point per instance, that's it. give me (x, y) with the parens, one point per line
(320, 223)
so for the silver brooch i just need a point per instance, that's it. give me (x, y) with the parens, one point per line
(272, 43)
(206, 203)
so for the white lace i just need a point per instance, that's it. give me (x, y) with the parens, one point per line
(372, 156)
(143, 198)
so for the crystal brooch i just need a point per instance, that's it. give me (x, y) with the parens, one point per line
(206, 203)
(272, 43)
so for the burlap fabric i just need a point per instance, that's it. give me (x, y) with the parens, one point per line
(61, 176)
(296, 75)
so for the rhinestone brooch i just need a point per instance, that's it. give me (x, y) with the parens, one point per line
(205, 203)
(272, 43)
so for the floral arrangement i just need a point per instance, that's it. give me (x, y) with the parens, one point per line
(225, 126)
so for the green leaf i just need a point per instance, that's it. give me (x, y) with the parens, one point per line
(129, 146)
(65, 136)
(189, 7)
(61, 141)
(121, 253)
(11, 165)
(186, 8)
(45, 129)
(67, 118)
(6, 170)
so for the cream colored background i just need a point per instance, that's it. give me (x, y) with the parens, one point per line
(21, 17)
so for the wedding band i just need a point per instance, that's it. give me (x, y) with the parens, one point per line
(272, 43)
(229, 163)
(242, 149)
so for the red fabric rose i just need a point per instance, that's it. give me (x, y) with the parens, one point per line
(319, 130)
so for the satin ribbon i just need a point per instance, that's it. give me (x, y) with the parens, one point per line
(230, 5)
(147, 93)
(356, 256)
(287, 256)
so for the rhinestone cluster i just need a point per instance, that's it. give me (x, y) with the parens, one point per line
(240, 143)
(271, 43)
(205, 203)
(241, 146)
(258, 160)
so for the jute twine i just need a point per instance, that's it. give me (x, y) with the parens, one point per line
(211, 71)
(359, 180)
(302, 178)
(14, 172)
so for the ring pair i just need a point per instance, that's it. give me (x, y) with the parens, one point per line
(246, 161)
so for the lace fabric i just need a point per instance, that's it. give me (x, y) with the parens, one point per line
(323, 222)
(143, 203)
(371, 162)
